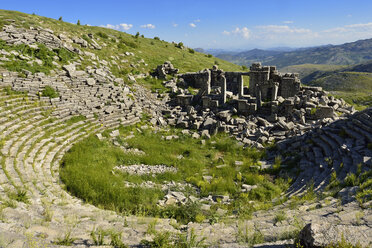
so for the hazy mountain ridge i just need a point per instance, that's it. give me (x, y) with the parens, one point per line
(344, 54)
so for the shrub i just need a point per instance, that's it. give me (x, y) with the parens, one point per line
(350, 180)
(131, 44)
(116, 241)
(279, 217)
(98, 236)
(209, 55)
(67, 240)
(49, 92)
(179, 45)
(64, 55)
(78, 22)
(137, 35)
(191, 50)
(60, 18)
(20, 196)
(156, 38)
(161, 240)
(102, 35)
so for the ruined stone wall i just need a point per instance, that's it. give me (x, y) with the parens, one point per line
(290, 85)
(199, 80)
(257, 75)
(234, 82)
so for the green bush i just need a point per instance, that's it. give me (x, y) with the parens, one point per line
(64, 55)
(49, 92)
(102, 35)
(350, 180)
(129, 44)
(179, 45)
(191, 50)
(161, 240)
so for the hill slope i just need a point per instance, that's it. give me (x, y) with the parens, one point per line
(353, 83)
(113, 43)
(345, 54)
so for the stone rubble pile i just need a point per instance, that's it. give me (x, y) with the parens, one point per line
(165, 69)
(15, 36)
(247, 117)
(143, 169)
(295, 116)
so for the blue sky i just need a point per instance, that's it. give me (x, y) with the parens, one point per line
(217, 24)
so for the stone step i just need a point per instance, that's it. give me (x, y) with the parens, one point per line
(347, 163)
(327, 151)
(331, 143)
(359, 139)
(361, 129)
(365, 120)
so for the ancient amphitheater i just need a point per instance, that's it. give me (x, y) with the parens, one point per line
(37, 131)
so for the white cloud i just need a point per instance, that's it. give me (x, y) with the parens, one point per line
(291, 35)
(175, 25)
(287, 22)
(282, 29)
(193, 25)
(350, 32)
(197, 20)
(244, 32)
(125, 26)
(120, 27)
(149, 26)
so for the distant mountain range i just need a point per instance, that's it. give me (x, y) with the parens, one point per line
(346, 54)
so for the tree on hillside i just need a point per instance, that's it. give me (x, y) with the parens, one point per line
(60, 18)
(78, 22)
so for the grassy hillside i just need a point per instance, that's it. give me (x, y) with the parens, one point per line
(113, 42)
(307, 69)
(344, 81)
(352, 83)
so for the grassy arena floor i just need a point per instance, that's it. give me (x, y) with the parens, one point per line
(87, 171)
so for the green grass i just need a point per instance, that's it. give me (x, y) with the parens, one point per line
(167, 239)
(360, 100)
(66, 240)
(20, 196)
(279, 217)
(87, 172)
(75, 119)
(42, 53)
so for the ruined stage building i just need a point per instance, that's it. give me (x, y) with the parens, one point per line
(215, 86)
